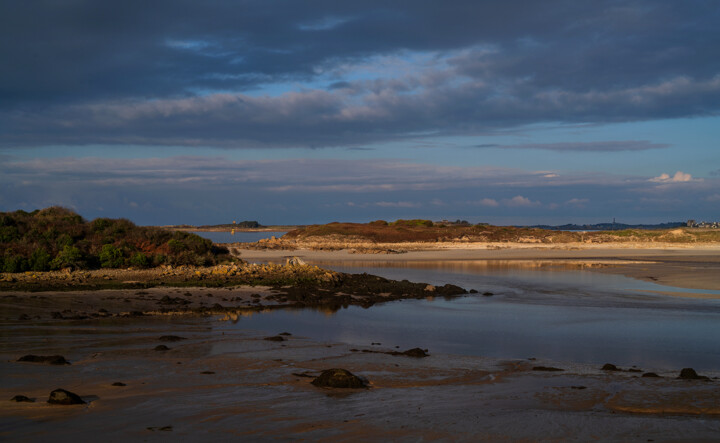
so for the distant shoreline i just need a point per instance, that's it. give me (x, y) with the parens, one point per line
(229, 229)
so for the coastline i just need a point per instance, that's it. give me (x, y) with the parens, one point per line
(695, 267)
(223, 381)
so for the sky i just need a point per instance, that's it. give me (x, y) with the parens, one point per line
(297, 112)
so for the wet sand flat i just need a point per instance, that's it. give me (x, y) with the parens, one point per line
(222, 383)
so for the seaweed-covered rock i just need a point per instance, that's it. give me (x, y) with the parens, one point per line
(415, 352)
(47, 359)
(610, 367)
(63, 397)
(690, 374)
(275, 338)
(338, 378)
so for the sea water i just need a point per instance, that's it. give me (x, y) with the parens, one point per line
(546, 313)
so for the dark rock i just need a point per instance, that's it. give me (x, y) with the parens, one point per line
(690, 374)
(338, 378)
(473, 291)
(207, 372)
(171, 338)
(56, 315)
(610, 367)
(650, 374)
(63, 397)
(634, 370)
(24, 317)
(22, 399)
(275, 338)
(578, 387)
(47, 359)
(488, 294)
(119, 383)
(161, 348)
(546, 368)
(414, 352)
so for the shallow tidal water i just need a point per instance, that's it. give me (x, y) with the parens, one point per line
(543, 312)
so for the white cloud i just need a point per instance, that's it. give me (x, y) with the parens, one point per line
(679, 177)
(519, 201)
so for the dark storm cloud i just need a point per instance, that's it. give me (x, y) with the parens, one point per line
(86, 72)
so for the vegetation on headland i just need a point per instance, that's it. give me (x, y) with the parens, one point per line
(56, 238)
(407, 231)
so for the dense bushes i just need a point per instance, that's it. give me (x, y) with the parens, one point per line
(56, 238)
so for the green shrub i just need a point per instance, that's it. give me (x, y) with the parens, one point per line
(176, 246)
(110, 257)
(63, 240)
(416, 222)
(139, 260)
(15, 263)
(159, 259)
(8, 234)
(100, 224)
(69, 256)
(40, 260)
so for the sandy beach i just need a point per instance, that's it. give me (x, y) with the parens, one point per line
(696, 267)
(225, 383)
(217, 380)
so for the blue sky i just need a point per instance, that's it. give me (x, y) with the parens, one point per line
(516, 112)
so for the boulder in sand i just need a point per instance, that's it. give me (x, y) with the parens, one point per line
(63, 397)
(690, 374)
(275, 338)
(610, 367)
(21, 399)
(338, 378)
(414, 352)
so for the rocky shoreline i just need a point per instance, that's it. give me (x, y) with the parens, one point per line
(186, 290)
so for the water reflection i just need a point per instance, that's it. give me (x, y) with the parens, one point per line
(546, 309)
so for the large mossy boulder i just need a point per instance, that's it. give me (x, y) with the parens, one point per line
(338, 378)
(63, 397)
(690, 374)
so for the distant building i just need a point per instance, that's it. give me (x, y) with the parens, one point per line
(703, 224)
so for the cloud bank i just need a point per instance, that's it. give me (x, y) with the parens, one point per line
(314, 74)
